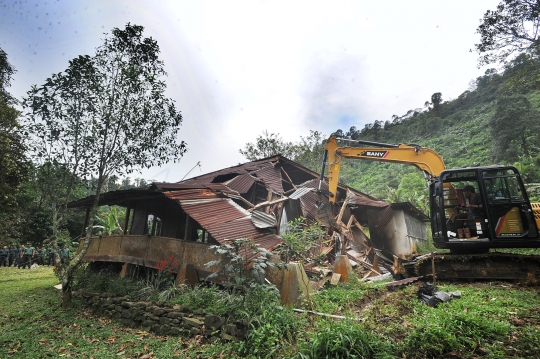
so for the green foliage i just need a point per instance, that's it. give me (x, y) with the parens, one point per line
(345, 297)
(266, 145)
(515, 128)
(307, 151)
(243, 263)
(493, 320)
(14, 167)
(272, 327)
(210, 298)
(105, 115)
(344, 339)
(108, 222)
(299, 240)
(510, 29)
(441, 331)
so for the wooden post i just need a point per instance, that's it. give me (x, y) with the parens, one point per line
(433, 270)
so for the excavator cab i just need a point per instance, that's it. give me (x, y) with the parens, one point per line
(504, 218)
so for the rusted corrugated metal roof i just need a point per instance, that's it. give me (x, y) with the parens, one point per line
(220, 188)
(223, 219)
(191, 194)
(234, 229)
(263, 220)
(271, 177)
(309, 205)
(242, 183)
(385, 216)
(230, 172)
(211, 212)
(268, 242)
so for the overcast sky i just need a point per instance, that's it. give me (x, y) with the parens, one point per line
(237, 68)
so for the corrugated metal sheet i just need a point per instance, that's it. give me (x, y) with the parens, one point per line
(238, 228)
(241, 169)
(384, 218)
(271, 177)
(220, 188)
(191, 194)
(223, 219)
(212, 212)
(241, 184)
(309, 205)
(263, 220)
(300, 192)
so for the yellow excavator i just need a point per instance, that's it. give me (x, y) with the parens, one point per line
(505, 218)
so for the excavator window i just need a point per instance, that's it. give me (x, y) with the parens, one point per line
(502, 186)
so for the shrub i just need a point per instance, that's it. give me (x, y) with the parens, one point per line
(344, 339)
(272, 327)
(440, 331)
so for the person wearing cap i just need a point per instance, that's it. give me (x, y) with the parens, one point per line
(473, 207)
(28, 252)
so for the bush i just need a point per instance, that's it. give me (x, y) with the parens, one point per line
(440, 331)
(210, 298)
(272, 327)
(344, 339)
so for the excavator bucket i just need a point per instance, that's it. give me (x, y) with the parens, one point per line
(325, 215)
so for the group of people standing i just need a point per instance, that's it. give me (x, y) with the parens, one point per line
(25, 256)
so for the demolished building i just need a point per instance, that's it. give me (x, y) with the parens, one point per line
(253, 200)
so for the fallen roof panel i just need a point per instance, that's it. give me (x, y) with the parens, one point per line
(238, 228)
(271, 177)
(241, 184)
(263, 220)
(208, 213)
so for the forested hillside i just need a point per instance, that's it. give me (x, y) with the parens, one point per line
(496, 121)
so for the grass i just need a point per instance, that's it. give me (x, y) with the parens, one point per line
(491, 320)
(34, 326)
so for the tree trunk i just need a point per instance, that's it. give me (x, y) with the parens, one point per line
(67, 303)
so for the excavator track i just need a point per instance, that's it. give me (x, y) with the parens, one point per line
(489, 266)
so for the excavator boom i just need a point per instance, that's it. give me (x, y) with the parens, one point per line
(423, 158)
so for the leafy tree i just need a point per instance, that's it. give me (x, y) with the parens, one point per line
(514, 128)
(266, 145)
(105, 114)
(436, 100)
(511, 29)
(14, 166)
(309, 150)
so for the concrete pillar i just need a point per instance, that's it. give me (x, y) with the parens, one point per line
(343, 266)
(295, 282)
(187, 274)
(124, 270)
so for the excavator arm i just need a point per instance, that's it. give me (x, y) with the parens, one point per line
(423, 158)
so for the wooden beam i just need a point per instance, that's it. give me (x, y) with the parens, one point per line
(290, 180)
(268, 203)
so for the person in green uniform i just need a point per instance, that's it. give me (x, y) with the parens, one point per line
(28, 252)
(41, 254)
(51, 252)
(64, 254)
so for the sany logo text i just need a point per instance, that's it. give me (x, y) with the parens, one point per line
(378, 154)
